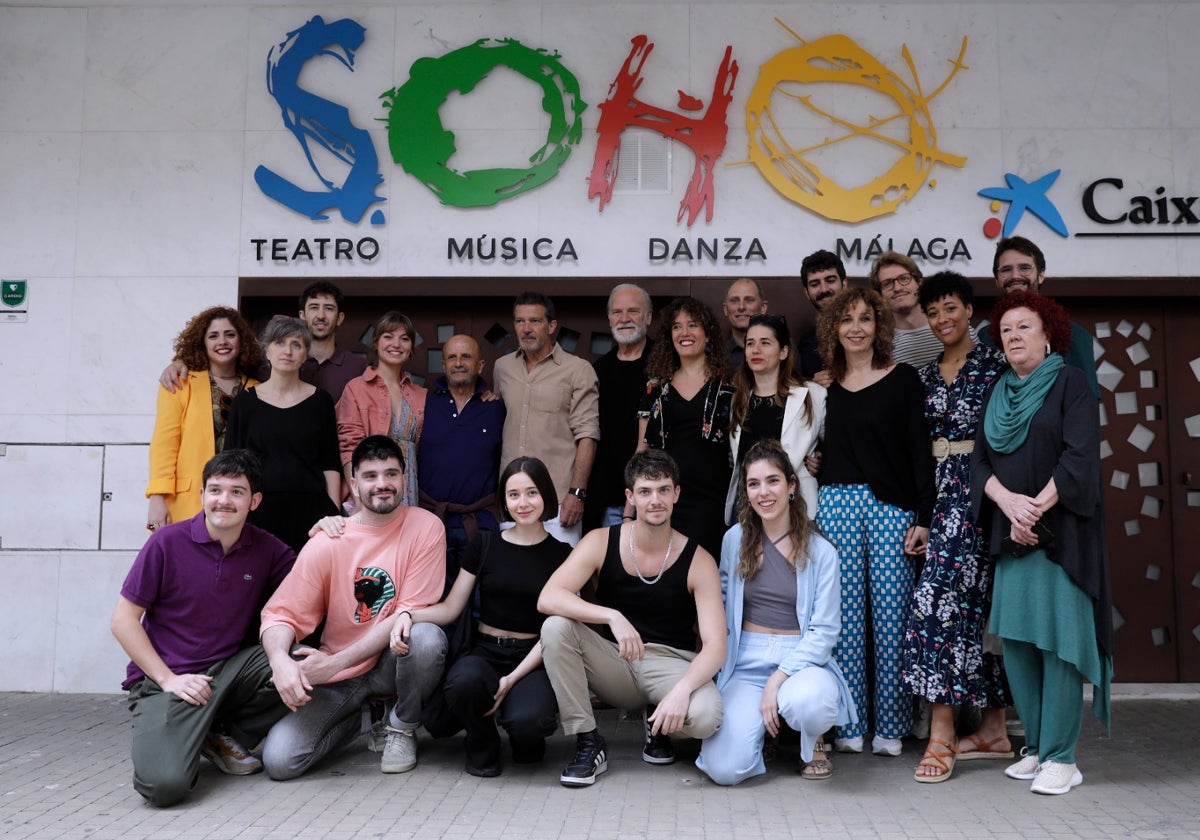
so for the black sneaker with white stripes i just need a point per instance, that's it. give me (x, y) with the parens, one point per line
(658, 748)
(591, 759)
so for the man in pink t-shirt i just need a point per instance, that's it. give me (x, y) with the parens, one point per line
(390, 559)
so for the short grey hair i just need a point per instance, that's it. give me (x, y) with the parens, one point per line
(629, 287)
(285, 326)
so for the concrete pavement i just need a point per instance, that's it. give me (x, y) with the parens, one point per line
(65, 773)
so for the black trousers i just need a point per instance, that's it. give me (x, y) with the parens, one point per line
(529, 713)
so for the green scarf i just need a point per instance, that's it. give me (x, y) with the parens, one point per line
(1015, 401)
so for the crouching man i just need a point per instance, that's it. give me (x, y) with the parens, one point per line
(188, 603)
(655, 586)
(390, 560)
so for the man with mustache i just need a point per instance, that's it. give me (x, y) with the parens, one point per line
(186, 607)
(824, 275)
(621, 375)
(1019, 266)
(458, 459)
(402, 551)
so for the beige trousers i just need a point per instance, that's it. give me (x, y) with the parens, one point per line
(578, 658)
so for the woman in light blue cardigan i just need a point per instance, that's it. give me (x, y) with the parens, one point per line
(782, 587)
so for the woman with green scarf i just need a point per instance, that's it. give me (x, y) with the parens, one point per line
(1035, 487)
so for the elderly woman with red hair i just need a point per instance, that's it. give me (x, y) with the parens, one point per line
(1035, 480)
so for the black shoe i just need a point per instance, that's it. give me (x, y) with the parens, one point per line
(658, 748)
(483, 772)
(591, 759)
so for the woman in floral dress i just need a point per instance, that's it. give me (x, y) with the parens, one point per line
(944, 660)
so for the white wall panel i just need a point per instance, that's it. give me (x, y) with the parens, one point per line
(51, 498)
(29, 593)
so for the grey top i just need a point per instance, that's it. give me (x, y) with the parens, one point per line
(770, 599)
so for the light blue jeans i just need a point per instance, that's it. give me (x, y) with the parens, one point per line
(332, 718)
(808, 701)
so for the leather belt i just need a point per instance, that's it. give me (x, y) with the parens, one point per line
(508, 641)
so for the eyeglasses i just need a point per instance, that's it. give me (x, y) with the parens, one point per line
(902, 280)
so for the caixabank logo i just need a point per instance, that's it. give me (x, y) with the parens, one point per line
(1114, 208)
(796, 81)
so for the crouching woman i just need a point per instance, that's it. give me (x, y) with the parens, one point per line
(782, 587)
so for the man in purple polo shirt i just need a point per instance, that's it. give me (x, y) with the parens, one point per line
(187, 607)
(459, 457)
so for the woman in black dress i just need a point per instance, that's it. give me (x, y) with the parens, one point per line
(290, 425)
(686, 411)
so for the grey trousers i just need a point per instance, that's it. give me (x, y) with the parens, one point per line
(168, 732)
(331, 719)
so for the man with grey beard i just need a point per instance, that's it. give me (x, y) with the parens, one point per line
(621, 373)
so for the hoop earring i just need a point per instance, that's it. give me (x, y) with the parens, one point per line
(792, 496)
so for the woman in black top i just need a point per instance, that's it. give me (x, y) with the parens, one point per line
(502, 678)
(290, 425)
(875, 504)
(686, 412)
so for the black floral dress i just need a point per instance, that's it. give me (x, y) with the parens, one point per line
(944, 660)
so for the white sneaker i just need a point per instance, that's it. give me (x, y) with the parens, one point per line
(848, 745)
(886, 746)
(1025, 769)
(400, 752)
(1055, 778)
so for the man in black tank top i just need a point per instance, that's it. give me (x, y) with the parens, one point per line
(654, 586)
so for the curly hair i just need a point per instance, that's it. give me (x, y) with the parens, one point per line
(750, 556)
(787, 377)
(1055, 322)
(189, 344)
(830, 318)
(664, 361)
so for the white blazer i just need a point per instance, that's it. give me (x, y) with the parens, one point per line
(799, 439)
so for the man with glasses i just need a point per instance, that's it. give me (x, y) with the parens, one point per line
(1020, 266)
(898, 279)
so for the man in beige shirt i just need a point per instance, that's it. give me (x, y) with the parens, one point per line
(553, 409)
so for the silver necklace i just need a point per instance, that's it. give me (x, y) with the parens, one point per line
(666, 557)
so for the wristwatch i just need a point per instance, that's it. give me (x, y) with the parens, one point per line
(578, 493)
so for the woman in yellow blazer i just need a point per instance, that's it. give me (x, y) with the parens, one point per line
(220, 352)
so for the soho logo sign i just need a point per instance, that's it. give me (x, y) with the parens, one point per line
(422, 146)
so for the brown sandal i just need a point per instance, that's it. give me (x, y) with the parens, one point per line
(942, 761)
(820, 768)
(983, 749)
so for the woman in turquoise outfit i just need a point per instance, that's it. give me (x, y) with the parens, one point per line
(1035, 473)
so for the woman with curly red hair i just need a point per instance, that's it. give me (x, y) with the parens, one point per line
(219, 350)
(1035, 475)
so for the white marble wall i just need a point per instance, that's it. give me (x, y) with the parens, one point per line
(130, 131)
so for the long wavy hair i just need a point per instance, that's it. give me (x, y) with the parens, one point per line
(832, 352)
(189, 344)
(786, 378)
(750, 557)
(664, 361)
